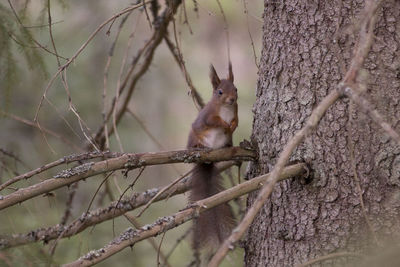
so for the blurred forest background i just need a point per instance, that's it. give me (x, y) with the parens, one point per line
(161, 102)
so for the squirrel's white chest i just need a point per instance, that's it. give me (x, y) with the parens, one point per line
(227, 114)
(215, 138)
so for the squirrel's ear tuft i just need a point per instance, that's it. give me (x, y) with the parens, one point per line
(215, 81)
(230, 74)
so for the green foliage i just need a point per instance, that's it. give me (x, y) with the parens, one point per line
(15, 37)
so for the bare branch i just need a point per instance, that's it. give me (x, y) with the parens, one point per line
(148, 49)
(63, 160)
(51, 33)
(156, 40)
(126, 10)
(226, 30)
(137, 225)
(131, 236)
(42, 129)
(125, 161)
(246, 12)
(179, 59)
(125, 204)
(163, 190)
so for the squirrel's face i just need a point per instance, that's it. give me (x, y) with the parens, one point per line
(226, 92)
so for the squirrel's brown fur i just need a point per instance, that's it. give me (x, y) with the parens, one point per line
(213, 128)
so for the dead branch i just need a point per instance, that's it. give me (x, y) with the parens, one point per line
(126, 10)
(137, 225)
(42, 129)
(131, 236)
(361, 52)
(124, 161)
(63, 160)
(160, 30)
(175, 51)
(91, 218)
(156, 40)
(125, 204)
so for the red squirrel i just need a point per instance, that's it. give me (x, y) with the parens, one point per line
(213, 128)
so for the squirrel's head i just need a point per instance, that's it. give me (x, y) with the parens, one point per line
(224, 91)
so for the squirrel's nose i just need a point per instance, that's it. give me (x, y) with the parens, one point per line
(232, 100)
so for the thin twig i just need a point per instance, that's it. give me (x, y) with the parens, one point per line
(68, 205)
(146, 130)
(159, 249)
(81, 122)
(137, 225)
(147, 14)
(176, 52)
(246, 12)
(158, 36)
(149, 49)
(105, 77)
(331, 256)
(100, 137)
(178, 241)
(163, 190)
(123, 193)
(44, 25)
(226, 30)
(33, 39)
(152, 137)
(366, 107)
(186, 21)
(50, 132)
(97, 190)
(51, 34)
(355, 174)
(126, 10)
(117, 89)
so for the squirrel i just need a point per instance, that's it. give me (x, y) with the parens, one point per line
(213, 128)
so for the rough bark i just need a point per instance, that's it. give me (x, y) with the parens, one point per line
(306, 48)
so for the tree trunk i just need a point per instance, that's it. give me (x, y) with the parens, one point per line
(307, 46)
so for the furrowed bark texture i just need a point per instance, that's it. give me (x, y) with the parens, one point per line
(307, 46)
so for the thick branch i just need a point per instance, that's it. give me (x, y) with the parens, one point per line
(99, 215)
(125, 161)
(131, 236)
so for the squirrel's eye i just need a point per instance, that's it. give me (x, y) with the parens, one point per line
(220, 92)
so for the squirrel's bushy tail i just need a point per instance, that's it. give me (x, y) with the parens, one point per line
(214, 225)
